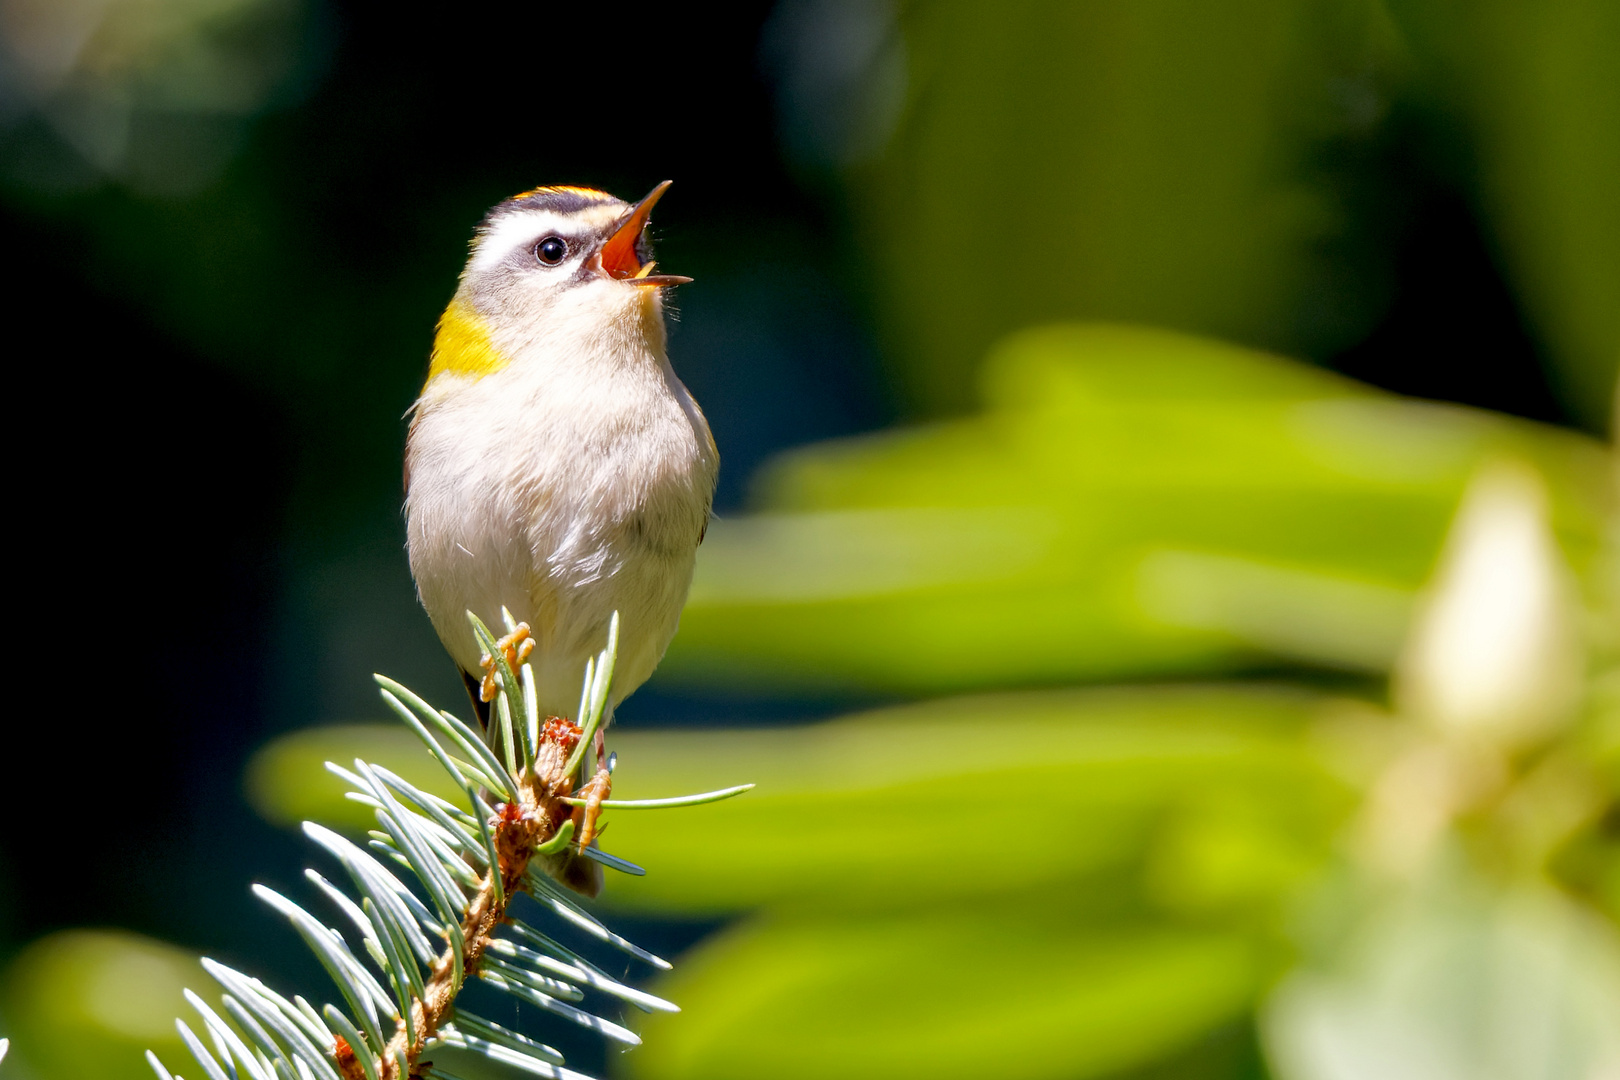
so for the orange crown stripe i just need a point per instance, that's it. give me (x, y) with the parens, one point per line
(565, 188)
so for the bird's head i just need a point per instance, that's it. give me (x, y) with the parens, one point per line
(565, 262)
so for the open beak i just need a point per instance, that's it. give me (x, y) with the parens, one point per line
(618, 257)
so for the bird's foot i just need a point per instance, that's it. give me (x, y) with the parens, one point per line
(596, 789)
(515, 647)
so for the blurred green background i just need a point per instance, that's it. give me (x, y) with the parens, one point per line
(1167, 579)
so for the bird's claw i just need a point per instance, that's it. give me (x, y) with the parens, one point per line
(596, 789)
(515, 648)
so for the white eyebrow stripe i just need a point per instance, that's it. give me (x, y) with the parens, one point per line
(517, 229)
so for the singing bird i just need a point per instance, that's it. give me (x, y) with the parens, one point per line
(555, 464)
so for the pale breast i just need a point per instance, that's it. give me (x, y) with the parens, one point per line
(563, 503)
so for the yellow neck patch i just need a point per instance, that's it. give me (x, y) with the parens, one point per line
(462, 344)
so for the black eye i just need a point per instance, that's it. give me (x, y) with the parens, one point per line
(551, 250)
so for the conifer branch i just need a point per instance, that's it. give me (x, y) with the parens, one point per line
(530, 823)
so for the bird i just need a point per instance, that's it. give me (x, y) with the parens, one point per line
(555, 466)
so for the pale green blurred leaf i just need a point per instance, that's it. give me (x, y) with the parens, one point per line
(976, 796)
(993, 990)
(1198, 797)
(90, 1003)
(1458, 984)
(1132, 502)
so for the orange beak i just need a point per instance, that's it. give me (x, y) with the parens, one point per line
(618, 256)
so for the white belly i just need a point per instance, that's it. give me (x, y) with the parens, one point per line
(563, 507)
